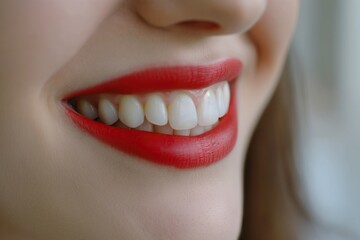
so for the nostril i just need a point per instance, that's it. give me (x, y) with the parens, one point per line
(199, 25)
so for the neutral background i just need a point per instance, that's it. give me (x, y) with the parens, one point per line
(326, 62)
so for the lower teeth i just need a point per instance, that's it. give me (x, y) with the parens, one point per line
(167, 130)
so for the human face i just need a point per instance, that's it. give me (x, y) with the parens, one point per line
(59, 181)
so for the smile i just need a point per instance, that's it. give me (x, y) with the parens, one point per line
(183, 116)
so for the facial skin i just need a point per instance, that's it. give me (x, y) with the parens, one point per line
(57, 182)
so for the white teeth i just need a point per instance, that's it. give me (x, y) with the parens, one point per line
(155, 110)
(146, 126)
(207, 109)
(208, 128)
(182, 112)
(107, 112)
(197, 131)
(131, 112)
(164, 129)
(86, 108)
(119, 124)
(226, 89)
(220, 101)
(182, 132)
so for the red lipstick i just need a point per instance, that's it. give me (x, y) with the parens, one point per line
(168, 150)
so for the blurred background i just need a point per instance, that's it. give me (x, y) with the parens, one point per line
(326, 61)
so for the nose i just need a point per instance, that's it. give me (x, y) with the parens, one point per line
(220, 16)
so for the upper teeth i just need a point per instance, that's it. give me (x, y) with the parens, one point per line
(182, 112)
(155, 110)
(178, 112)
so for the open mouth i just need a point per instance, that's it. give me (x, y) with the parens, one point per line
(183, 117)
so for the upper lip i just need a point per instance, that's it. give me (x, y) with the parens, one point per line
(166, 79)
(168, 150)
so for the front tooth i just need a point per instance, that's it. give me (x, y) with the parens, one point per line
(155, 110)
(226, 89)
(119, 124)
(208, 128)
(207, 109)
(182, 132)
(182, 112)
(220, 101)
(86, 109)
(131, 112)
(164, 129)
(197, 131)
(146, 126)
(107, 112)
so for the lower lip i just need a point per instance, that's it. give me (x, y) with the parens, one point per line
(168, 150)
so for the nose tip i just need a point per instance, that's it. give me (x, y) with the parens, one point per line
(215, 16)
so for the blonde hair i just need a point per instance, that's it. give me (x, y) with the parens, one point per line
(272, 207)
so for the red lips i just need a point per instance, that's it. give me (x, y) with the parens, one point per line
(168, 150)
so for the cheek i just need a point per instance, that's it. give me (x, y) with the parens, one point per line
(271, 37)
(273, 32)
(39, 36)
